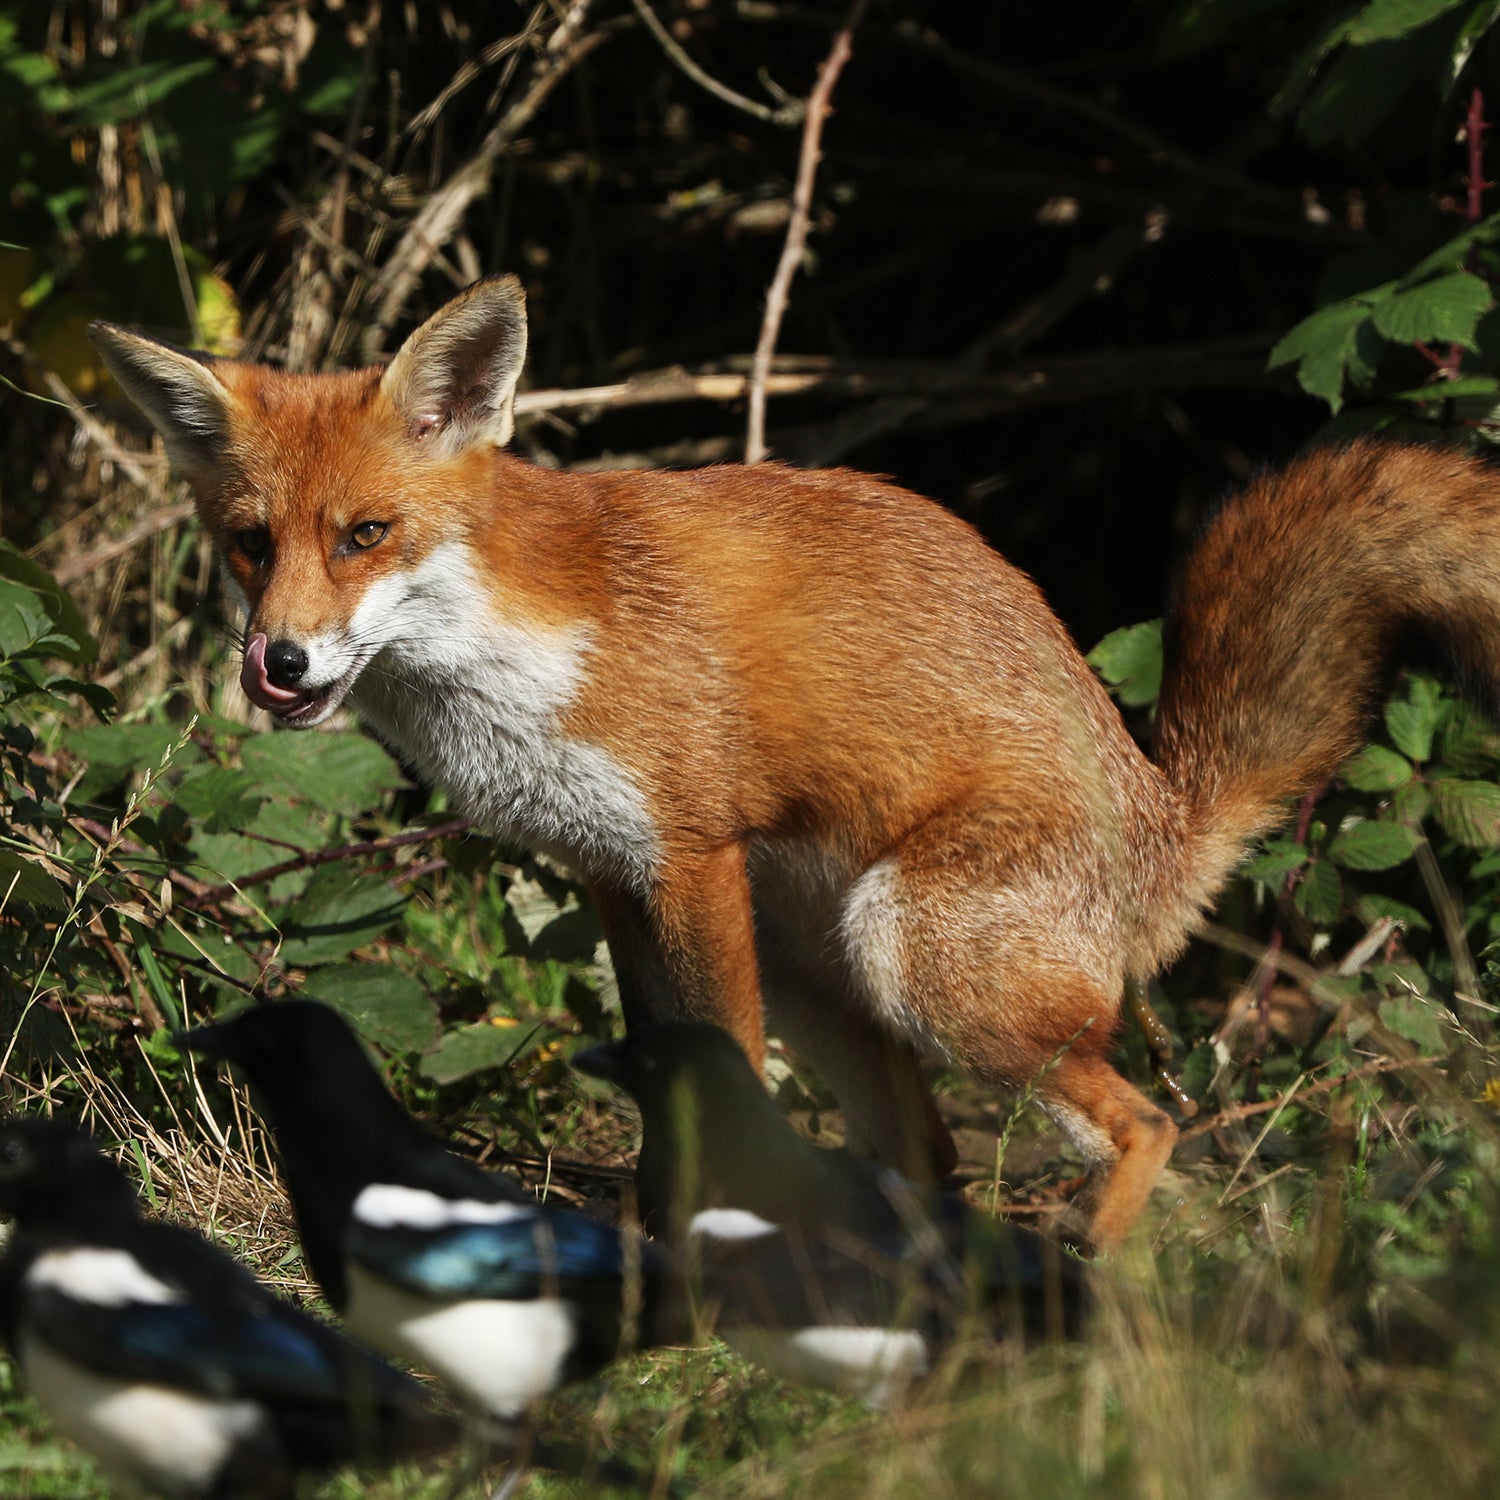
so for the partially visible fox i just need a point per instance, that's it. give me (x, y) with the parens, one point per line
(810, 740)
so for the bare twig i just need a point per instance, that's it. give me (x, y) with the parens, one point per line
(1236, 1112)
(789, 112)
(796, 230)
(72, 568)
(310, 859)
(98, 434)
(441, 215)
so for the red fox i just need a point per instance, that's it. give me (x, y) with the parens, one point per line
(812, 743)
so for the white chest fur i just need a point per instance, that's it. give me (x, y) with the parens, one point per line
(474, 701)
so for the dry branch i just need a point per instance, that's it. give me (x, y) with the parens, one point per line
(796, 230)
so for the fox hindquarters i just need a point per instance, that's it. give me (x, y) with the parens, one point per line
(811, 741)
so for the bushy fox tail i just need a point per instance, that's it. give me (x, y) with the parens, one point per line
(1302, 597)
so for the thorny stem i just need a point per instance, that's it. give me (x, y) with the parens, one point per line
(1474, 129)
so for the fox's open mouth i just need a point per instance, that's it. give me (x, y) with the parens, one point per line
(290, 705)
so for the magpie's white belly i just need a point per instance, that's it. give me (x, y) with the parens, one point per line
(171, 1439)
(502, 1356)
(873, 1365)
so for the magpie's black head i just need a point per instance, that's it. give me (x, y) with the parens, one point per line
(53, 1176)
(286, 1034)
(674, 1060)
(710, 1133)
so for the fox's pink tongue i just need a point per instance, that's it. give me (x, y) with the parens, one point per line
(259, 688)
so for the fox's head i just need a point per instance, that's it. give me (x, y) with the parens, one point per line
(334, 501)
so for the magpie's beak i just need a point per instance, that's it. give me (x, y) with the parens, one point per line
(602, 1061)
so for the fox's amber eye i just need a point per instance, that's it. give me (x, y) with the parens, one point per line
(254, 542)
(367, 533)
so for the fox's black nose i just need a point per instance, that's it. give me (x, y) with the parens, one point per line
(286, 663)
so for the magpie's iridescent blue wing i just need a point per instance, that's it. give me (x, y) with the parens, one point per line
(216, 1351)
(519, 1257)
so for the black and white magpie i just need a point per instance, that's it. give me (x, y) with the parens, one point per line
(427, 1256)
(820, 1265)
(165, 1358)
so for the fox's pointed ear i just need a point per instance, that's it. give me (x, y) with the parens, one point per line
(176, 389)
(454, 380)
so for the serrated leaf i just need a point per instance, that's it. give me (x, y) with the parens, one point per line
(1469, 811)
(23, 619)
(1373, 845)
(1469, 744)
(342, 773)
(1130, 660)
(478, 1048)
(1376, 769)
(1411, 803)
(1445, 311)
(1276, 860)
(1422, 1022)
(385, 1005)
(220, 800)
(1385, 20)
(1330, 347)
(129, 747)
(1319, 895)
(55, 601)
(1370, 908)
(1415, 718)
(338, 912)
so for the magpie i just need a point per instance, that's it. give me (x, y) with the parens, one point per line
(165, 1358)
(428, 1257)
(823, 1266)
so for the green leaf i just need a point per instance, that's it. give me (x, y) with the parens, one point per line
(478, 1048)
(1370, 908)
(1129, 660)
(343, 773)
(384, 1005)
(23, 620)
(1376, 769)
(338, 912)
(127, 92)
(1276, 860)
(1319, 895)
(1470, 743)
(220, 800)
(1360, 89)
(1414, 719)
(25, 878)
(1476, 23)
(1384, 20)
(1411, 802)
(1334, 345)
(1423, 1022)
(1445, 311)
(1445, 390)
(1469, 811)
(56, 603)
(1373, 846)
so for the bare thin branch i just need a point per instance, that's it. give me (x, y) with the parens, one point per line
(796, 230)
(789, 112)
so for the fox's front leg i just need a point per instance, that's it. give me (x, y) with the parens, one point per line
(685, 949)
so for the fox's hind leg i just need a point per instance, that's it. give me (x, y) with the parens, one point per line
(813, 1004)
(1010, 965)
